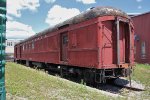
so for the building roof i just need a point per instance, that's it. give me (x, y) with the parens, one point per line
(141, 14)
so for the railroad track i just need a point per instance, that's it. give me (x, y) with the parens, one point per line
(128, 87)
(131, 85)
(111, 84)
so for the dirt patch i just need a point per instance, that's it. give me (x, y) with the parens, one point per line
(13, 97)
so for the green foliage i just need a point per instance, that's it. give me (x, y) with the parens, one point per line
(2, 48)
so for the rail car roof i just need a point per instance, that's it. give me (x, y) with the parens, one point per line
(92, 13)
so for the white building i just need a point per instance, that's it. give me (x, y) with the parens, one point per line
(10, 43)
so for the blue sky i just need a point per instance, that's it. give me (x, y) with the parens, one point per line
(27, 17)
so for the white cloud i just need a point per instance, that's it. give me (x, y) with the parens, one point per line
(138, 0)
(50, 1)
(14, 7)
(59, 14)
(139, 7)
(133, 13)
(9, 17)
(18, 30)
(86, 1)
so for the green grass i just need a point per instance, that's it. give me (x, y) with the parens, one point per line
(33, 84)
(141, 74)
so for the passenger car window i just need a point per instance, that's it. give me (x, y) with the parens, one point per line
(65, 39)
(143, 50)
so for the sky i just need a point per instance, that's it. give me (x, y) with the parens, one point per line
(28, 17)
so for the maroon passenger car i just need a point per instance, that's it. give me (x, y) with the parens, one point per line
(95, 45)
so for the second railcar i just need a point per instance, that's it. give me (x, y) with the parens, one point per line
(94, 45)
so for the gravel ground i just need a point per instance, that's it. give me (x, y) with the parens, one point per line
(128, 94)
(125, 82)
(103, 91)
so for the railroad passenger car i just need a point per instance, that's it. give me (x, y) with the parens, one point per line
(95, 45)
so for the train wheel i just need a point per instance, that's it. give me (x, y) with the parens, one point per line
(111, 80)
(89, 78)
